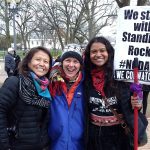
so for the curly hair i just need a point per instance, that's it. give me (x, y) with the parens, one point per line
(108, 67)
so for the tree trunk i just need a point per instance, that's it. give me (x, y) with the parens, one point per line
(141, 2)
(8, 39)
(124, 3)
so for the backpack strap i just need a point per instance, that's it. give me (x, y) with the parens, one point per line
(122, 122)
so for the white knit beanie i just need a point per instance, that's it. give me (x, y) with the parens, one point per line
(10, 50)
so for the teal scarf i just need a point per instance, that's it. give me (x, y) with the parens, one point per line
(41, 85)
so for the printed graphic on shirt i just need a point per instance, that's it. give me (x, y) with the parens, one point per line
(98, 104)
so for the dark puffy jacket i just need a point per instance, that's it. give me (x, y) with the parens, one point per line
(146, 88)
(31, 134)
(17, 61)
(9, 62)
(128, 111)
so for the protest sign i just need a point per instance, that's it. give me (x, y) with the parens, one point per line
(133, 41)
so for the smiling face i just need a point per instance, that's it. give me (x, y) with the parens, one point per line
(98, 54)
(40, 63)
(71, 67)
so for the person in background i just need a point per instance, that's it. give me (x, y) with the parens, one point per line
(57, 60)
(66, 124)
(17, 61)
(105, 95)
(10, 62)
(24, 103)
(146, 90)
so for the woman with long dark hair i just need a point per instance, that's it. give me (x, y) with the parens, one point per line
(106, 97)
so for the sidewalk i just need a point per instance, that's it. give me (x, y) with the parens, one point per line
(3, 74)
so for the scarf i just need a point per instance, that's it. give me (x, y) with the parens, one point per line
(56, 80)
(28, 92)
(41, 85)
(59, 83)
(70, 93)
(98, 80)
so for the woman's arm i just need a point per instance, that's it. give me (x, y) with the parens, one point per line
(8, 99)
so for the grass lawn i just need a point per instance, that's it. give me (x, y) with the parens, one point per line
(3, 53)
(21, 53)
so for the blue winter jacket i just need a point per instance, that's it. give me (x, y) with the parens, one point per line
(66, 127)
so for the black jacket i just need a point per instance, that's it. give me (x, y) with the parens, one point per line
(128, 112)
(32, 123)
(123, 94)
(9, 62)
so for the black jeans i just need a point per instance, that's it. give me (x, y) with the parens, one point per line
(108, 138)
(145, 98)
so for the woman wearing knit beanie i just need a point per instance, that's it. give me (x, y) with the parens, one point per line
(66, 126)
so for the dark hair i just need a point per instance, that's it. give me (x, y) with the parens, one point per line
(109, 64)
(23, 68)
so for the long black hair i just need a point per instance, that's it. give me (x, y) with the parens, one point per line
(108, 67)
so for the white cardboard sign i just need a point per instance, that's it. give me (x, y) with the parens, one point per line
(133, 41)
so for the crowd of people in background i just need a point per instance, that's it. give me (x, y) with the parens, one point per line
(69, 103)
